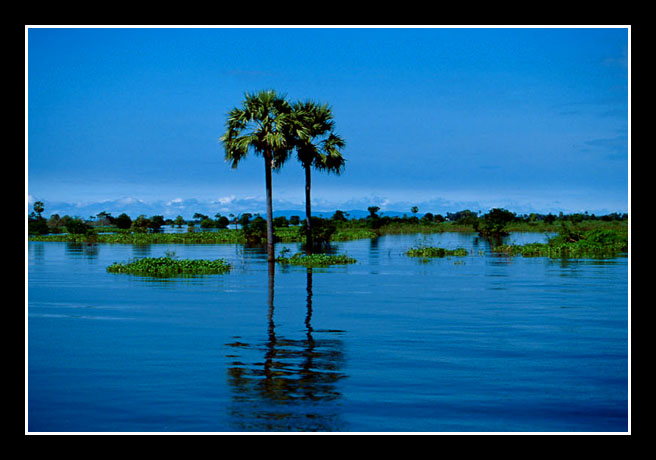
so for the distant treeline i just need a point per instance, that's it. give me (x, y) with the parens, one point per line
(468, 217)
(494, 221)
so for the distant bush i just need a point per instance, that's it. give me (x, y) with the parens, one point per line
(123, 221)
(495, 222)
(322, 230)
(280, 221)
(465, 217)
(38, 226)
(219, 222)
(140, 224)
(78, 227)
(255, 231)
(207, 223)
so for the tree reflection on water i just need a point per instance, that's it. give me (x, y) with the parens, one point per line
(287, 384)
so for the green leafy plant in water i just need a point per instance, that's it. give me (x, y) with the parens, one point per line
(435, 252)
(167, 267)
(315, 260)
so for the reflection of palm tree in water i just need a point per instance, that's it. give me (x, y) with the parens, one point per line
(295, 387)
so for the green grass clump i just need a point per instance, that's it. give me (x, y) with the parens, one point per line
(165, 267)
(436, 252)
(316, 260)
(571, 243)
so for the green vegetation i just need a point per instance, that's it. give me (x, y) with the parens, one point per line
(348, 234)
(573, 243)
(166, 267)
(436, 252)
(221, 236)
(103, 228)
(35, 222)
(497, 222)
(494, 223)
(219, 221)
(254, 231)
(316, 260)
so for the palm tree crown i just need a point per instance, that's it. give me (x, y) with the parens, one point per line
(260, 124)
(316, 144)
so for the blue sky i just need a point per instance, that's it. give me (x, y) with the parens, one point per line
(443, 118)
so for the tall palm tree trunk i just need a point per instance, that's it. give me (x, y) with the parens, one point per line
(308, 210)
(268, 163)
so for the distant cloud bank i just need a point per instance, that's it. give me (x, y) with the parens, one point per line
(187, 207)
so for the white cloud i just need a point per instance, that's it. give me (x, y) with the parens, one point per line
(187, 207)
(226, 200)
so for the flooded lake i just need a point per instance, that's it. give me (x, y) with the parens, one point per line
(480, 343)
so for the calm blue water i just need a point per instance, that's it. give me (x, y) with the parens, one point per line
(480, 343)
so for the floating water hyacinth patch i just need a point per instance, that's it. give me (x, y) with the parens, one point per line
(435, 252)
(169, 267)
(316, 260)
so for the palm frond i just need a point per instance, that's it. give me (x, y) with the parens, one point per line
(260, 125)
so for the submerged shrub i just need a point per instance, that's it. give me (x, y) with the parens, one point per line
(168, 267)
(435, 252)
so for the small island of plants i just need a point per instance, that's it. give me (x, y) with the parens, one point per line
(315, 260)
(166, 267)
(436, 252)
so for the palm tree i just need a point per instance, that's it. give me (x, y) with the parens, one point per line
(317, 146)
(261, 124)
